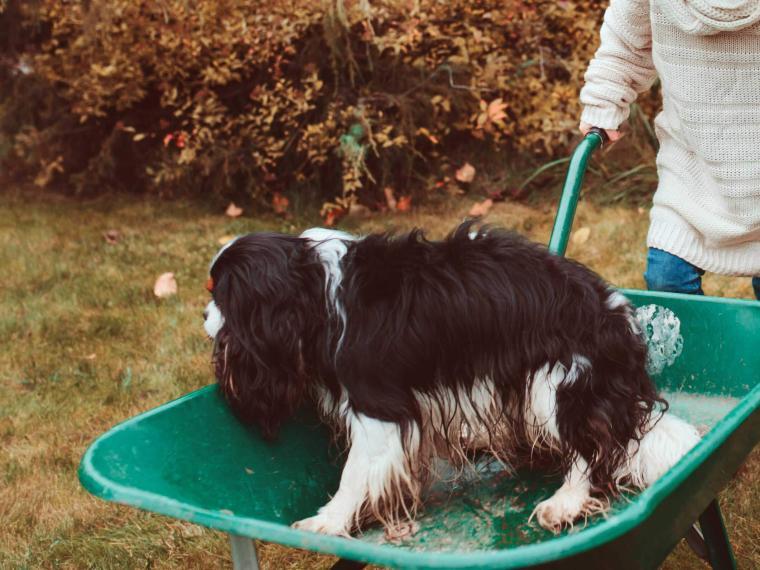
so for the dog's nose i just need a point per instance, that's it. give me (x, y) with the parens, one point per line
(205, 314)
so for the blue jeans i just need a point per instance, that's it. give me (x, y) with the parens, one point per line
(667, 272)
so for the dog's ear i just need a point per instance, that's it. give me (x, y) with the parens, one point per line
(263, 291)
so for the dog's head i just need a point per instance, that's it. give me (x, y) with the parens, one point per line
(264, 307)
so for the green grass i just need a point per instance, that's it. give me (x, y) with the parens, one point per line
(85, 344)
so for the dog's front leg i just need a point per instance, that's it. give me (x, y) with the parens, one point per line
(376, 479)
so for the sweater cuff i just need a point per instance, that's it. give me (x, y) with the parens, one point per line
(604, 117)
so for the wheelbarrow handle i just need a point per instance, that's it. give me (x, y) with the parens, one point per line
(571, 190)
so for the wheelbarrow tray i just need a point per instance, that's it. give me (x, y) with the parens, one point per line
(191, 459)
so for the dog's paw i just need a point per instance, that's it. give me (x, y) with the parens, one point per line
(564, 508)
(323, 523)
(401, 531)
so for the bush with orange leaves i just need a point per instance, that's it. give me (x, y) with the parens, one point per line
(340, 98)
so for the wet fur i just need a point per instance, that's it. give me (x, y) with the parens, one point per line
(442, 339)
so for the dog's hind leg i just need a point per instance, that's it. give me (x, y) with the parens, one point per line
(377, 479)
(667, 439)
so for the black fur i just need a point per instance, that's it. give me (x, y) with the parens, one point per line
(269, 288)
(424, 314)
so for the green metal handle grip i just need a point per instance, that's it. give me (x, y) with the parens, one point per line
(571, 190)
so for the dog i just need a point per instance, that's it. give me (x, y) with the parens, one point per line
(415, 350)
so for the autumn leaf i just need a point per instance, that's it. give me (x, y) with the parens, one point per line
(280, 203)
(490, 114)
(465, 174)
(432, 138)
(481, 208)
(332, 215)
(165, 286)
(404, 204)
(581, 235)
(233, 211)
(495, 110)
(112, 236)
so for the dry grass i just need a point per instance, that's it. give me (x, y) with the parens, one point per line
(85, 345)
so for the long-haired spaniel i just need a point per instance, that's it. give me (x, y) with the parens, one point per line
(415, 349)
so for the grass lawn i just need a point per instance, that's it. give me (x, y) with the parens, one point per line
(85, 344)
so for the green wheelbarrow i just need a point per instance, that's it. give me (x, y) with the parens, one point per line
(191, 459)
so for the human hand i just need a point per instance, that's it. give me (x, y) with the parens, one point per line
(613, 135)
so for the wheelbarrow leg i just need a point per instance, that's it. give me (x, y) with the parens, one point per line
(243, 553)
(719, 552)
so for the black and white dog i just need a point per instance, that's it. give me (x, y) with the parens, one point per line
(414, 350)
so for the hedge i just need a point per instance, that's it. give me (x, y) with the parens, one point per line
(341, 99)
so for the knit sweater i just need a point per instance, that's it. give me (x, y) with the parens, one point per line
(707, 54)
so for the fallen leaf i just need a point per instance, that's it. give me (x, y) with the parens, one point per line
(481, 208)
(233, 211)
(404, 204)
(496, 110)
(90, 356)
(333, 215)
(225, 239)
(581, 235)
(390, 199)
(280, 203)
(112, 236)
(165, 286)
(466, 173)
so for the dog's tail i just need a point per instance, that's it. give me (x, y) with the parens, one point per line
(610, 402)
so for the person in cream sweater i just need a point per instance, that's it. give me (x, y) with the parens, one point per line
(706, 211)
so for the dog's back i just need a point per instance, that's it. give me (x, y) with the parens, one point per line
(430, 316)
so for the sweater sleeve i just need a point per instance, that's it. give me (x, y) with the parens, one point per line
(622, 67)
